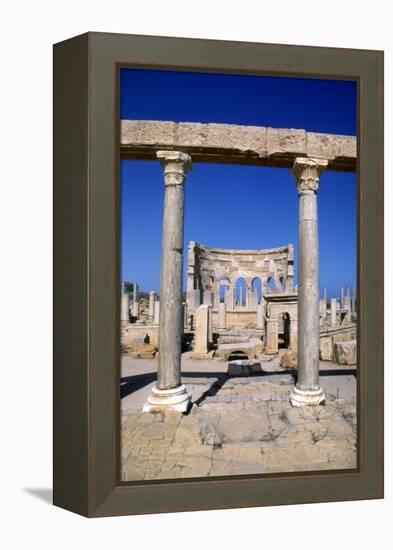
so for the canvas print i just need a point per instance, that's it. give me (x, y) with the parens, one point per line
(238, 338)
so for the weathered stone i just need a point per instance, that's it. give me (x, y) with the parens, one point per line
(201, 339)
(307, 390)
(271, 335)
(288, 360)
(326, 349)
(345, 352)
(169, 391)
(240, 144)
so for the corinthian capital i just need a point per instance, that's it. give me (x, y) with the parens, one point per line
(176, 165)
(307, 172)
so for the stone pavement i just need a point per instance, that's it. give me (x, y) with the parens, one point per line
(237, 425)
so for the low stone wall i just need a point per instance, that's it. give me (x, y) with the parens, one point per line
(240, 319)
(134, 337)
(330, 338)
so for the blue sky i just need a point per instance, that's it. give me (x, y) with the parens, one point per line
(232, 206)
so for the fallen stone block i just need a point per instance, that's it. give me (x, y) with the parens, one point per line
(326, 349)
(345, 352)
(289, 360)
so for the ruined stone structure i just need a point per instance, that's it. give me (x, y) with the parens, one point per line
(244, 288)
(176, 145)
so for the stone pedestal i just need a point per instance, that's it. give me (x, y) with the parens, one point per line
(125, 309)
(222, 314)
(169, 393)
(201, 337)
(271, 336)
(333, 312)
(307, 390)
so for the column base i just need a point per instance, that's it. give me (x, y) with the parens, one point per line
(175, 399)
(301, 398)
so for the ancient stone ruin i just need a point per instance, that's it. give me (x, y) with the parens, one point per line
(263, 312)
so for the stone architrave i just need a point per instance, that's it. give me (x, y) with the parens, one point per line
(333, 312)
(222, 314)
(307, 390)
(260, 316)
(271, 335)
(152, 299)
(201, 337)
(156, 313)
(125, 309)
(169, 393)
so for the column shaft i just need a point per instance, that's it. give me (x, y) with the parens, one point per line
(169, 393)
(308, 390)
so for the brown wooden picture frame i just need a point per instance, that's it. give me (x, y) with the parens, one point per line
(87, 282)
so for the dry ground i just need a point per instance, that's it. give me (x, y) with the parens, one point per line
(237, 425)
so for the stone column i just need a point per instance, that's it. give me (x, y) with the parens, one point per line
(322, 308)
(342, 298)
(293, 335)
(125, 309)
(333, 312)
(222, 314)
(156, 313)
(152, 299)
(134, 293)
(201, 337)
(353, 300)
(169, 393)
(210, 324)
(271, 335)
(260, 315)
(307, 390)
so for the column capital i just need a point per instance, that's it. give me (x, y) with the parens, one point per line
(176, 165)
(307, 172)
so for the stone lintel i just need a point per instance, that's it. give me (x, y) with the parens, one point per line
(236, 144)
